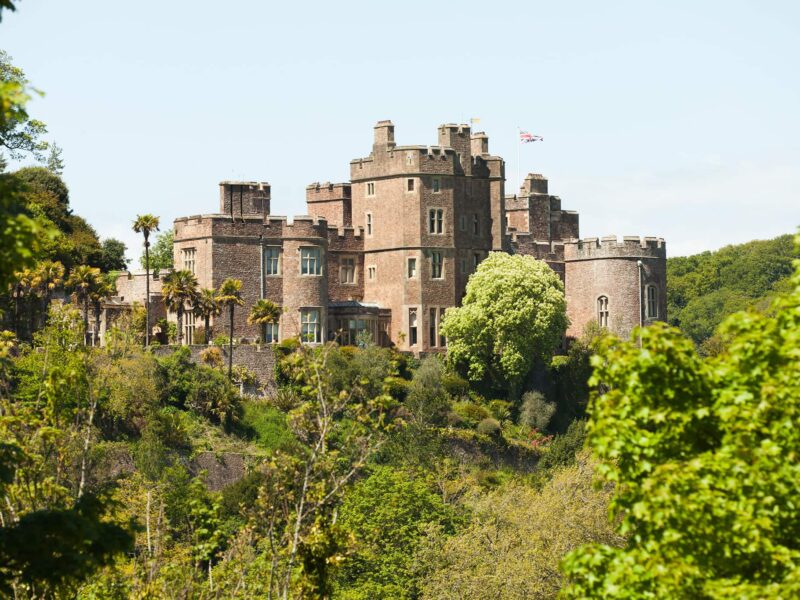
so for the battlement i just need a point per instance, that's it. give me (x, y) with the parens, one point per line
(241, 198)
(480, 143)
(327, 191)
(611, 247)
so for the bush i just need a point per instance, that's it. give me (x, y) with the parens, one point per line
(500, 409)
(490, 427)
(536, 412)
(212, 357)
(471, 413)
(221, 340)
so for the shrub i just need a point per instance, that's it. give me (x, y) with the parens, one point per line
(489, 426)
(500, 409)
(536, 412)
(471, 413)
(212, 357)
(221, 340)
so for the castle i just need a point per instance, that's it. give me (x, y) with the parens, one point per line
(389, 251)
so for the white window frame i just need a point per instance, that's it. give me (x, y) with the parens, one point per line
(413, 325)
(311, 325)
(436, 221)
(310, 256)
(272, 261)
(189, 256)
(352, 269)
(411, 267)
(188, 327)
(270, 333)
(368, 223)
(602, 310)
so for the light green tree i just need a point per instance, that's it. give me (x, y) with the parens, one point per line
(179, 289)
(206, 306)
(19, 134)
(705, 455)
(160, 255)
(82, 282)
(229, 296)
(513, 313)
(146, 224)
(264, 312)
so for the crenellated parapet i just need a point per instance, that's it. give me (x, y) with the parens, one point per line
(593, 248)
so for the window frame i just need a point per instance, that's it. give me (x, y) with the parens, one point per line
(270, 260)
(603, 311)
(189, 258)
(305, 261)
(410, 185)
(413, 326)
(436, 221)
(370, 189)
(411, 273)
(368, 224)
(305, 322)
(342, 270)
(436, 185)
(651, 304)
(437, 263)
(372, 272)
(274, 329)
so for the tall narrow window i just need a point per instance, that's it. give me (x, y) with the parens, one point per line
(310, 262)
(476, 259)
(476, 224)
(371, 188)
(436, 265)
(310, 327)
(437, 185)
(188, 327)
(412, 267)
(602, 311)
(442, 339)
(369, 223)
(410, 184)
(412, 327)
(372, 272)
(269, 333)
(652, 302)
(189, 259)
(347, 270)
(436, 220)
(272, 255)
(432, 326)
(463, 222)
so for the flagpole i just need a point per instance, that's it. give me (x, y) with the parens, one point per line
(519, 143)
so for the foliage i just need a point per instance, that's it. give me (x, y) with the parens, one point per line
(19, 134)
(489, 426)
(55, 164)
(178, 289)
(513, 313)
(383, 566)
(205, 306)
(264, 312)
(516, 539)
(427, 399)
(707, 287)
(705, 457)
(536, 412)
(112, 255)
(266, 425)
(212, 357)
(161, 256)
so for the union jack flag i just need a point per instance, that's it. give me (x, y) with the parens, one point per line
(527, 138)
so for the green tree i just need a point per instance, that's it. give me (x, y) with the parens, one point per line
(704, 453)
(55, 163)
(264, 312)
(104, 288)
(206, 306)
(112, 257)
(161, 256)
(146, 224)
(229, 296)
(83, 281)
(513, 313)
(179, 289)
(396, 501)
(19, 134)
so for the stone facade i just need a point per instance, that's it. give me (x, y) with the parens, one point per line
(391, 249)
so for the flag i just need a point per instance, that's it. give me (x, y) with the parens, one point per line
(527, 138)
(474, 121)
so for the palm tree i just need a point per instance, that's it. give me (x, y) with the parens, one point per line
(51, 277)
(82, 281)
(230, 296)
(179, 287)
(146, 224)
(264, 312)
(24, 285)
(205, 307)
(104, 288)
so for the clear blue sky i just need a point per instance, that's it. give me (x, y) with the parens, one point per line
(679, 119)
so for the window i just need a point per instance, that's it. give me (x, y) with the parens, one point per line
(476, 259)
(476, 224)
(310, 329)
(412, 268)
(269, 333)
(436, 220)
(412, 327)
(602, 311)
(347, 270)
(272, 255)
(442, 339)
(436, 265)
(371, 188)
(372, 272)
(188, 327)
(463, 223)
(437, 185)
(310, 263)
(652, 302)
(409, 185)
(188, 259)
(368, 220)
(432, 328)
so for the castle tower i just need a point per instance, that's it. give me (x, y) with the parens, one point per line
(241, 198)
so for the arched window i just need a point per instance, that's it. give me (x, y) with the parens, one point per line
(602, 311)
(652, 302)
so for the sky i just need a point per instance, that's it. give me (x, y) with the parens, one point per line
(674, 119)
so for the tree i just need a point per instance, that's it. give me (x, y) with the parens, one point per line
(55, 163)
(704, 455)
(206, 306)
(229, 296)
(19, 134)
(161, 252)
(83, 281)
(178, 289)
(112, 256)
(146, 224)
(104, 288)
(50, 277)
(264, 312)
(513, 313)
(517, 537)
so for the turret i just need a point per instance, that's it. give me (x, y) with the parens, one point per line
(244, 198)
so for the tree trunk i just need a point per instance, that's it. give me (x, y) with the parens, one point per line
(97, 310)
(147, 292)
(179, 312)
(230, 348)
(86, 321)
(206, 330)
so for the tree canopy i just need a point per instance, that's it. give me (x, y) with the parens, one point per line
(514, 312)
(160, 252)
(705, 457)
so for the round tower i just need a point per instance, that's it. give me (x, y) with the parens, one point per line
(618, 285)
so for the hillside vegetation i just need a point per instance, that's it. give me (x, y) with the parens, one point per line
(705, 288)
